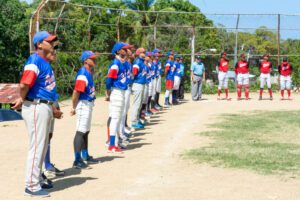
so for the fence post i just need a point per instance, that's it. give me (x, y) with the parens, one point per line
(236, 39)
(278, 41)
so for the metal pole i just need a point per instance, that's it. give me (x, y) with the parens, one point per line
(236, 39)
(193, 45)
(118, 28)
(89, 28)
(155, 31)
(278, 41)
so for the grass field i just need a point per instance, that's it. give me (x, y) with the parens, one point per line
(266, 142)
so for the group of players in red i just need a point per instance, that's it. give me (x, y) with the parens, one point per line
(242, 76)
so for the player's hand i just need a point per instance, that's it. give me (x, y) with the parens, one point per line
(73, 112)
(57, 113)
(17, 103)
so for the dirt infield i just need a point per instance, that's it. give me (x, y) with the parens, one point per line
(152, 167)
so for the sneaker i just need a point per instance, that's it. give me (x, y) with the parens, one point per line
(90, 160)
(53, 172)
(46, 186)
(128, 135)
(39, 193)
(127, 130)
(260, 98)
(79, 165)
(137, 126)
(154, 110)
(157, 107)
(271, 98)
(114, 149)
(46, 180)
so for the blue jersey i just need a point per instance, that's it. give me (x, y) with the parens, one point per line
(177, 69)
(84, 83)
(159, 69)
(153, 70)
(182, 69)
(129, 73)
(170, 67)
(149, 73)
(141, 69)
(116, 75)
(38, 74)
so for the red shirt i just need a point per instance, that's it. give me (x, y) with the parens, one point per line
(223, 65)
(242, 67)
(265, 67)
(285, 69)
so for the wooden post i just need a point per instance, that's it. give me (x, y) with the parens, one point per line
(118, 28)
(155, 29)
(58, 18)
(236, 39)
(278, 41)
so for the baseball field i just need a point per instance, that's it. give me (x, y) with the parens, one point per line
(203, 150)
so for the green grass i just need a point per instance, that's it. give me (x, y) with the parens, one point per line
(266, 142)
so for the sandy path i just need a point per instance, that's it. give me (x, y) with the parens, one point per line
(152, 167)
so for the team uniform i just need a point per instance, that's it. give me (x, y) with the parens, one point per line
(181, 87)
(223, 77)
(285, 71)
(265, 77)
(158, 83)
(242, 71)
(177, 80)
(170, 70)
(37, 114)
(116, 82)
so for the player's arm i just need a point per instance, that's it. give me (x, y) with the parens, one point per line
(80, 85)
(167, 69)
(111, 76)
(23, 93)
(75, 98)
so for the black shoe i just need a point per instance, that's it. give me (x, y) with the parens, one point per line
(90, 160)
(46, 180)
(53, 172)
(79, 165)
(46, 186)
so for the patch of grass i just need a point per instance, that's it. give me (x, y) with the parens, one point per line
(267, 142)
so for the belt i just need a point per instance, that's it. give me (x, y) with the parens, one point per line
(39, 101)
(197, 75)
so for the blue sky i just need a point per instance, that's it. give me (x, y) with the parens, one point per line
(253, 7)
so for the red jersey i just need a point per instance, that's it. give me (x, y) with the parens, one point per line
(241, 67)
(265, 67)
(223, 65)
(285, 69)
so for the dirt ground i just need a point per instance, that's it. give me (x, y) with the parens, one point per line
(152, 167)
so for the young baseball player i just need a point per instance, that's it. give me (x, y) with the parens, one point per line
(139, 72)
(177, 79)
(82, 105)
(50, 170)
(157, 88)
(242, 71)
(181, 87)
(285, 70)
(222, 75)
(169, 73)
(116, 85)
(149, 78)
(265, 68)
(38, 92)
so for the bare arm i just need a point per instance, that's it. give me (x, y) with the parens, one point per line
(23, 93)
(75, 98)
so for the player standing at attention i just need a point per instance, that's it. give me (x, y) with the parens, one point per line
(242, 71)
(37, 94)
(177, 79)
(157, 89)
(222, 75)
(169, 73)
(265, 68)
(285, 71)
(82, 105)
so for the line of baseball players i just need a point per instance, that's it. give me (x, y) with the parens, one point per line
(242, 72)
(140, 76)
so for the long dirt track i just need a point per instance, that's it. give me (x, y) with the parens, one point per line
(152, 167)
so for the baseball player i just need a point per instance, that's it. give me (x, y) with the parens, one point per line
(149, 78)
(222, 75)
(38, 92)
(242, 72)
(82, 105)
(285, 70)
(157, 88)
(265, 68)
(169, 73)
(177, 80)
(50, 170)
(116, 85)
(139, 72)
(181, 87)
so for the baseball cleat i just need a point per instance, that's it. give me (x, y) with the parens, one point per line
(137, 126)
(271, 98)
(260, 98)
(39, 193)
(46, 186)
(79, 165)
(114, 149)
(90, 160)
(127, 130)
(53, 172)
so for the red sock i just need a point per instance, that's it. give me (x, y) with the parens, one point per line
(239, 91)
(219, 92)
(289, 93)
(282, 93)
(270, 92)
(226, 92)
(247, 91)
(261, 91)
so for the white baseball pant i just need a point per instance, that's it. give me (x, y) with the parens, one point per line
(177, 80)
(154, 87)
(145, 95)
(84, 115)
(37, 118)
(285, 82)
(158, 84)
(243, 79)
(126, 109)
(265, 79)
(223, 80)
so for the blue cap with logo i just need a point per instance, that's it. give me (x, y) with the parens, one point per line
(43, 35)
(120, 45)
(87, 55)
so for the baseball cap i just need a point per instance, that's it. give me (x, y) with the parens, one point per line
(43, 35)
(149, 54)
(87, 55)
(139, 51)
(120, 45)
(170, 53)
(156, 50)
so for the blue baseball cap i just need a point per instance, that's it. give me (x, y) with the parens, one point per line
(149, 54)
(156, 50)
(120, 45)
(43, 35)
(170, 53)
(87, 55)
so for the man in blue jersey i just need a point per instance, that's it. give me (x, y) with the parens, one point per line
(177, 79)
(139, 72)
(158, 75)
(38, 92)
(82, 105)
(169, 73)
(116, 85)
(181, 87)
